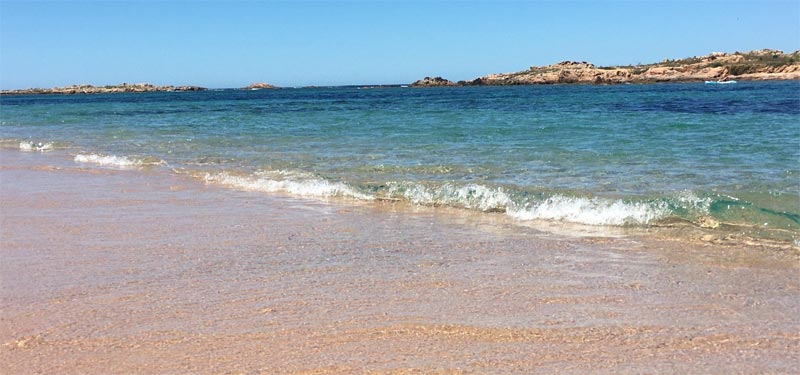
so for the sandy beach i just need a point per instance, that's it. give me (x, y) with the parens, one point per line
(144, 271)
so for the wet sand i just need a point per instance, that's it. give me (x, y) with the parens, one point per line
(129, 271)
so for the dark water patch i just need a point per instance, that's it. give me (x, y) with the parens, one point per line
(795, 218)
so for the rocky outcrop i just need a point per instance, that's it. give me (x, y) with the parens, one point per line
(89, 89)
(260, 86)
(775, 72)
(433, 82)
(563, 72)
(182, 88)
(718, 66)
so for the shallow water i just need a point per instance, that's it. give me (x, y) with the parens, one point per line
(633, 155)
(146, 271)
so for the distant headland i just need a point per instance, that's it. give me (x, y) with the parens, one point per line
(121, 88)
(110, 89)
(763, 64)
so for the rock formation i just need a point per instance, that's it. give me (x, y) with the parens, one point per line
(260, 86)
(431, 82)
(89, 89)
(755, 65)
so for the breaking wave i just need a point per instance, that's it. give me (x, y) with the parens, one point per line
(581, 210)
(592, 211)
(35, 146)
(115, 161)
(470, 196)
(295, 183)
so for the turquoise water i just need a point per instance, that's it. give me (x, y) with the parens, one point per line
(630, 155)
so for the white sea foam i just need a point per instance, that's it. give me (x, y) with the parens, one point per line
(691, 201)
(582, 210)
(108, 160)
(592, 211)
(295, 183)
(35, 146)
(471, 196)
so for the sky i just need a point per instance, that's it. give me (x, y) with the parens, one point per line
(219, 44)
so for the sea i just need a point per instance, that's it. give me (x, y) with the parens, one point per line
(724, 158)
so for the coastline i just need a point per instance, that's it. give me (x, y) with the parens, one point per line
(123, 88)
(119, 271)
(757, 65)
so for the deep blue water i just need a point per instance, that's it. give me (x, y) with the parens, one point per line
(612, 155)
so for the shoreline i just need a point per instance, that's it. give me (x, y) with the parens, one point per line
(120, 271)
(330, 191)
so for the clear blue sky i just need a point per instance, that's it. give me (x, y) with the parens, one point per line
(232, 44)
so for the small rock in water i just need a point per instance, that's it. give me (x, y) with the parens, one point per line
(707, 222)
